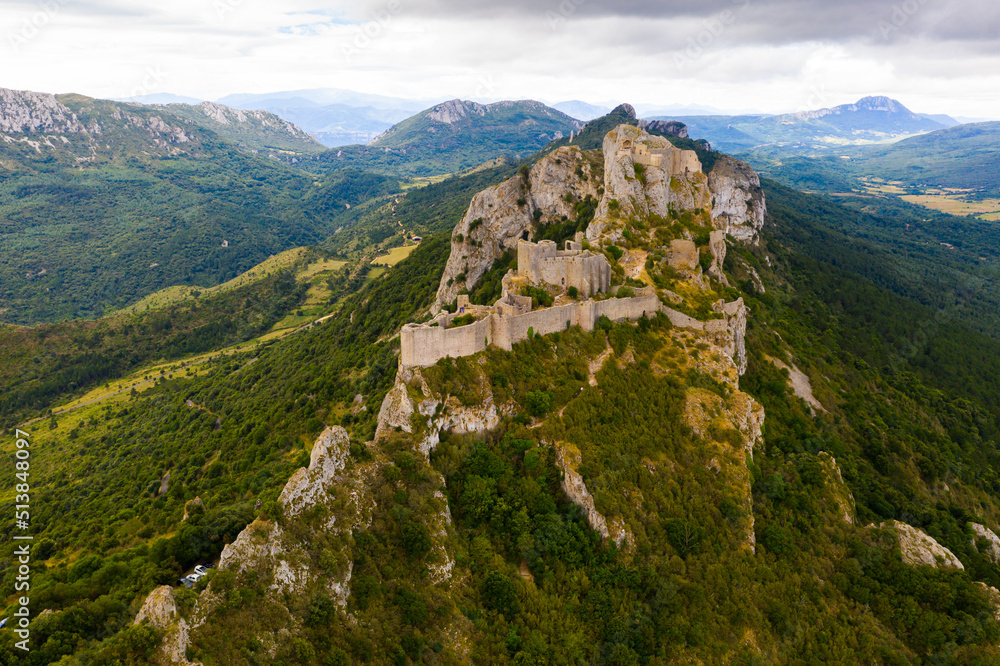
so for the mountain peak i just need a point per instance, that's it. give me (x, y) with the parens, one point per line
(624, 109)
(879, 103)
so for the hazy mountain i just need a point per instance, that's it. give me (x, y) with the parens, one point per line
(582, 110)
(334, 117)
(251, 129)
(161, 98)
(870, 120)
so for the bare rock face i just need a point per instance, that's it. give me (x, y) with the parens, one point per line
(160, 611)
(434, 413)
(683, 255)
(500, 216)
(645, 175)
(918, 548)
(993, 541)
(668, 127)
(568, 459)
(717, 245)
(22, 111)
(841, 493)
(308, 486)
(738, 206)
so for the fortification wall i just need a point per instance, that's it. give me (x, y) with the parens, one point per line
(621, 309)
(544, 322)
(425, 345)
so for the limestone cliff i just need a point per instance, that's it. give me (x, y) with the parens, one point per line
(430, 414)
(500, 216)
(23, 111)
(738, 206)
(918, 548)
(645, 175)
(159, 610)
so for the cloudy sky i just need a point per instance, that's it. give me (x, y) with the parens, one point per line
(936, 56)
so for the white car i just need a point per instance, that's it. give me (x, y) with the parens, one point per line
(200, 570)
(193, 577)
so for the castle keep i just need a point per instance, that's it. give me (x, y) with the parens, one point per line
(542, 263)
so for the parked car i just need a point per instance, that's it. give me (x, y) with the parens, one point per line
(200, 570)
(185, 582)
(193, 578)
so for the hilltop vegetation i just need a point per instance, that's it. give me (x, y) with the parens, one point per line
(723, 544)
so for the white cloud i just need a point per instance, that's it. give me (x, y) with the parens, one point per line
(773, 55)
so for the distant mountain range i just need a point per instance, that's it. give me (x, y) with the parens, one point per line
(871, 120)
(457, 135)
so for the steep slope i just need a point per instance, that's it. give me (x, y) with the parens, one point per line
(253, 129)
(457, 135)
(587, 496)
(104, 203)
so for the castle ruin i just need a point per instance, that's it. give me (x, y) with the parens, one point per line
(543, 263)
(510, 319)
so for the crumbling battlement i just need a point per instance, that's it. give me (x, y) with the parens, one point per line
(543, 263)
(425, 344)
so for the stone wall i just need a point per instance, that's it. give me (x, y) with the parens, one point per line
(424, 345)
(543, 263)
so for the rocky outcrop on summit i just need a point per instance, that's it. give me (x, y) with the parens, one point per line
(24, 111)
(500, 216)
(668, 127)
(645, 175)
(738, 206)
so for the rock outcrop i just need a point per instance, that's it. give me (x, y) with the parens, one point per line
(434, 413)
(799, 382)
(992, 549)
(668, 127)
(24, 111)
(738, 206)
(160, 612)
(269, 549)
(307, 487)
(567, 460)
(918, 548)
(842, 495)
(645, 175)
(500, 216)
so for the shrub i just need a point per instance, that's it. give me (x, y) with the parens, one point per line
(499, 594)
(573, 292)
(615, 252)
(539, 403)
(626, 292)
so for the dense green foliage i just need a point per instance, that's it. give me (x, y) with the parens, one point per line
(98, 480)
(52, 361)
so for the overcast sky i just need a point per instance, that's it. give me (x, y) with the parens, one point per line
(935, 56)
